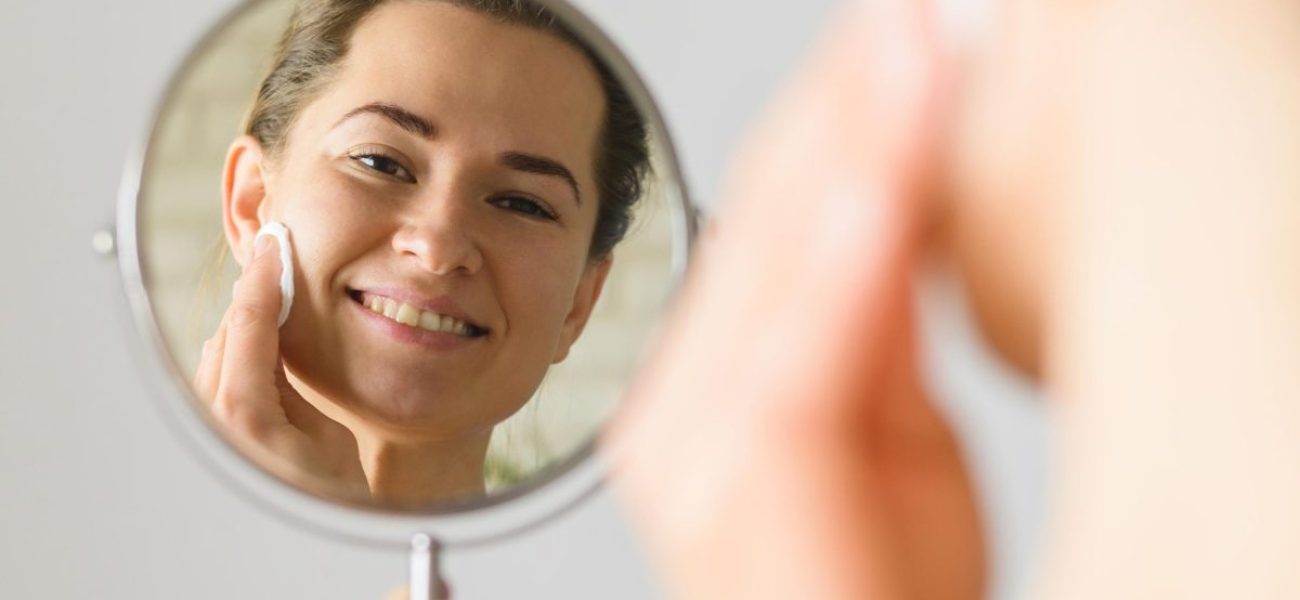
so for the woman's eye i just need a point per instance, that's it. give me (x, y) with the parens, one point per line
(524, 206)
(385, 165)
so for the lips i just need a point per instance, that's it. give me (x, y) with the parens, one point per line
(417, 316)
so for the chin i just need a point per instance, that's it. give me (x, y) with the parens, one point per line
(398, 406)
(399, 401)
(433, 412)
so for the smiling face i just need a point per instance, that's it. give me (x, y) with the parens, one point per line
(441, 198)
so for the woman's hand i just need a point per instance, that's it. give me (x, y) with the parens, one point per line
(779, 444)
(242, 378)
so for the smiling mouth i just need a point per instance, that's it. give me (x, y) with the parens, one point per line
(410, 316)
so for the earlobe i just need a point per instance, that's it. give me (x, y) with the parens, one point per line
(584, 301)
(243, 193)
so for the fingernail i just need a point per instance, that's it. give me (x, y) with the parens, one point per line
(261, 245)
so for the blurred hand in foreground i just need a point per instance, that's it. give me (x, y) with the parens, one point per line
(780, 443)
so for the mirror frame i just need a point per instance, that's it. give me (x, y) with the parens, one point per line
(547, 494)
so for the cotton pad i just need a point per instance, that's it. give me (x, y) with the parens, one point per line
(281, 234)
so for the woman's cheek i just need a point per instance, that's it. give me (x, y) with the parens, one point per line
(532, 285)
(346, 196)
(329, 224)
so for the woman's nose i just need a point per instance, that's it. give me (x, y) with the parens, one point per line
(440, 238)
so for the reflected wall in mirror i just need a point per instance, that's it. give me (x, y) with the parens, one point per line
(482, 246)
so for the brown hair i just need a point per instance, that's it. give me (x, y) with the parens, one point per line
(317, 40)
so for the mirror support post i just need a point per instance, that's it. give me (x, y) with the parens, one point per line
(426, 576)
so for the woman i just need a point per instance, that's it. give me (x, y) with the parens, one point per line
(454, 176)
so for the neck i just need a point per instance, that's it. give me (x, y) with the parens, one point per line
(408, 470)
(412, 472)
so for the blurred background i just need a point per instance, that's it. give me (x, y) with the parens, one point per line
(100, 499)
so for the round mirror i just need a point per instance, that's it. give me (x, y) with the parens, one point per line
(483, 220)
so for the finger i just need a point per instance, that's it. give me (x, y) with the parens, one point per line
(251, 353)
(208, 375)
(788, 310)
(819, 212)
(764, 379)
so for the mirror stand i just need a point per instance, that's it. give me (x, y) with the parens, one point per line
(426, 581)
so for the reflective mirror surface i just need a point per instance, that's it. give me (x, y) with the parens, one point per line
(483, 234)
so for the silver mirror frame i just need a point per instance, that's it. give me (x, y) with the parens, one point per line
(547, 495)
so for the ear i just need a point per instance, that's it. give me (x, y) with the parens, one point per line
(243, 195)
(584, 300)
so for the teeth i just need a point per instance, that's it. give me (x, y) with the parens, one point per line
(413, 317)
(407, 315)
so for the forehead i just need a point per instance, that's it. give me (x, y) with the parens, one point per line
(475, 77)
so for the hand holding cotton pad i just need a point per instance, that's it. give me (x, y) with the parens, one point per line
(281, 234)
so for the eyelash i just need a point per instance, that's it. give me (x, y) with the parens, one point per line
(379, 158)
(372, 159)
(532, 208)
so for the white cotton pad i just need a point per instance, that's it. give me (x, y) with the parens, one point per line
(281, 234)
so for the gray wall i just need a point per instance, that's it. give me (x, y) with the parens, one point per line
(98, 499)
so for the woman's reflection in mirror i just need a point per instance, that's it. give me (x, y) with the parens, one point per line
(455, 176)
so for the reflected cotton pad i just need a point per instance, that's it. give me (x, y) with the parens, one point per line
(281, 234)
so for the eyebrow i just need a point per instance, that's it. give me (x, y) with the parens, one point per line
(400, 116)
(531, 163)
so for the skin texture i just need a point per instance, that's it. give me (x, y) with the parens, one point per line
(436, 215)
(1116, 183)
